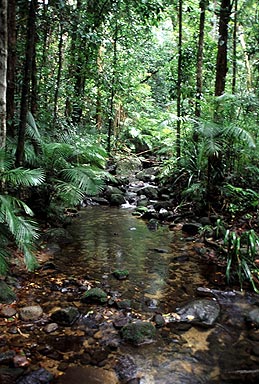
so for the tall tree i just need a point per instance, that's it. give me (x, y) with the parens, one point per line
(179, 79)
(11, 65)
(3, 70)
(199, 75)
(30, 49)
(234, 65)
(222, 63)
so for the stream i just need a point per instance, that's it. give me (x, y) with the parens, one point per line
(165, 271)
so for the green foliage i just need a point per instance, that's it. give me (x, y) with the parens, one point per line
(241, 252)
(239, 199)
(15, 223)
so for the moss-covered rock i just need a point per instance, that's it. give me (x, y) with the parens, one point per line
(121, 274)
(7, 295)
(139, 332)
(94, 295)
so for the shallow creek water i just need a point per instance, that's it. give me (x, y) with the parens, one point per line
(165, 272)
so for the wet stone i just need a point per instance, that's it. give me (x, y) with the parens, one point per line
(66, 316)
(121, 274)
(159, 320)
(120, 322)
(7, 312)
(94, 295)
(138, 333)
(204, 312)
(33, 312)
(40, 376)
(123, 304)
(6, 357)
(253, 316)
(52, 327)
(126, 368)
(88, 375)
(9, 375)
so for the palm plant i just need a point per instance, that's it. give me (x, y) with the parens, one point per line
(15, 215)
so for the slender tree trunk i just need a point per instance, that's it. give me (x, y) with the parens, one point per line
(179, 81)
(31, 31)
(249, 81)
(3, 70)
(199, 79)
(221, 66)
(199, 74)
(60, 47)
(215, 169)
(34, 85)
(234, 65)
(11, 64)
(113, 86)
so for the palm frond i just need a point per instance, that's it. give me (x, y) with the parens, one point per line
(238, 133)
(4, 255)
(69, 193)
(31, 128)
(88, 179)
(29, 258)
(24, 177)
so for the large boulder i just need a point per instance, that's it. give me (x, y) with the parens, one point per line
(128, 166)
(203, 312)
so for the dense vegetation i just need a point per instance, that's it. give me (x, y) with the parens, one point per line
(83, 82)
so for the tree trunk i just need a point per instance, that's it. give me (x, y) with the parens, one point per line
(113, 86)
(31, 32)
(179, 80)
(199, 74)
(234, 65)
(199, 82)
(60, 47)
(221, 66)
(215, 167)
(3, 70)
(11, 64)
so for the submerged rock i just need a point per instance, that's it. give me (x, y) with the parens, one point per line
(126, 368)
(253, 316)
(40, 376)
(65, 316)
(121, 274)
(192, 228)
(88, 375)
(94, 295)
(138, 333)
(203, 311)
